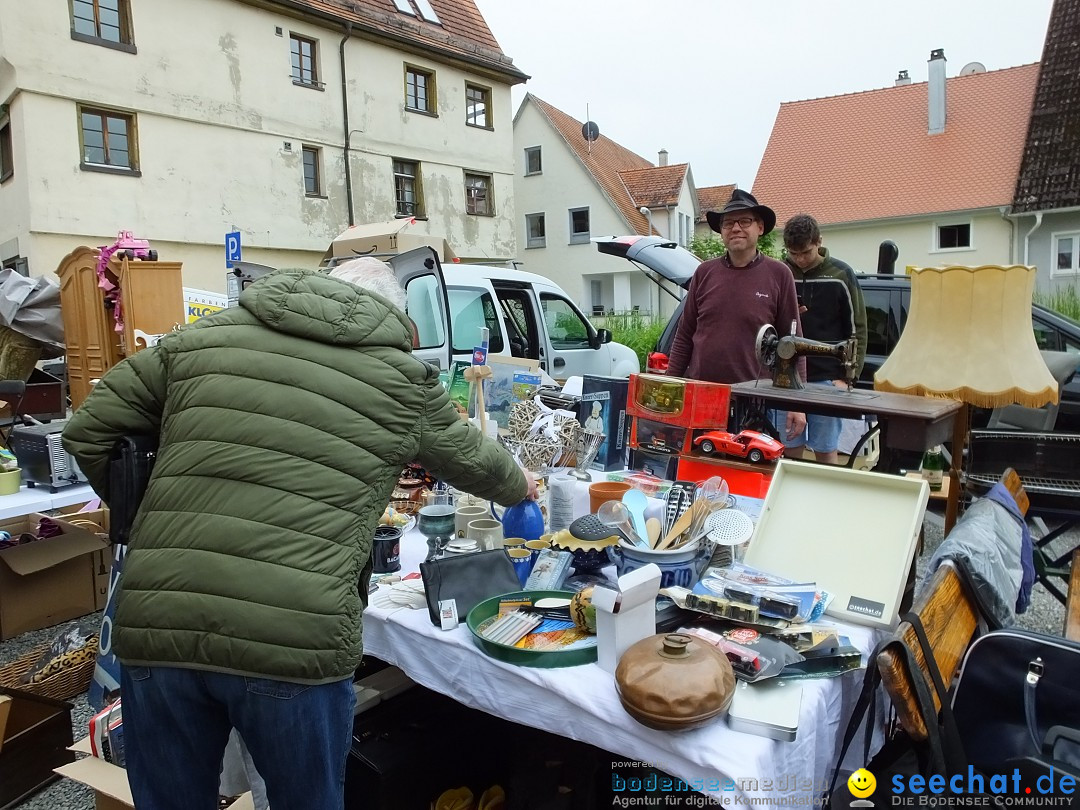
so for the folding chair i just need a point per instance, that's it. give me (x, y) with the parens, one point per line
(11, 393)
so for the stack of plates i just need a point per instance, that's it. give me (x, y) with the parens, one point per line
(462, 546)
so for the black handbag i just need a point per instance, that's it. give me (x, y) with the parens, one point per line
(468, 579)
(1016, 703)
(130, 466)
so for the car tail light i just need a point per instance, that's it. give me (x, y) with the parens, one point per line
(657, 362)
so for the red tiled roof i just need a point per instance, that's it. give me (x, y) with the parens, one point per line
(461, 32)
(866, 156)
(605, 159)
(656, 186)
(712, 198)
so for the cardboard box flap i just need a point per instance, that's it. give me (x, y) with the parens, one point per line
(42, 554)
(102, 776)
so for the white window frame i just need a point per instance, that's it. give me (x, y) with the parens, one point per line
(578, 238)
(535, 241)
(540, 154)
(935, 236)
(1055, 237)
(430, 106)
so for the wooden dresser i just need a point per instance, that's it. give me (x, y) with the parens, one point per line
(152, 300)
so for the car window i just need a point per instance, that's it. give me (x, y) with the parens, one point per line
(881, 329)
(1046, 336)
(472, 308)
(425, 309)
(566, 329)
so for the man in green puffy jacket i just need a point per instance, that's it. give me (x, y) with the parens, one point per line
(283, 425)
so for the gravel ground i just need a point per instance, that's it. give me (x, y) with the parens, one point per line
(1045, 615)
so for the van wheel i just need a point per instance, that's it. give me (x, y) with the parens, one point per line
(707, 446)
(756, 456)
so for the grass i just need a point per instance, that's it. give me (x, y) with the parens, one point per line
(1063, 300)
(639, 332)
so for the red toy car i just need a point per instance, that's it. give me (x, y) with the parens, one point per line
(748, 444)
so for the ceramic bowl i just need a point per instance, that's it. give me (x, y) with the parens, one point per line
(678, 566)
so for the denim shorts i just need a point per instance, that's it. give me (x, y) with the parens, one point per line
(821, 434)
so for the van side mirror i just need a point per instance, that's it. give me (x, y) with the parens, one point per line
(601, 337)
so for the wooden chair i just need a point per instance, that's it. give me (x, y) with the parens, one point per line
(950, 617)
(1072, 604)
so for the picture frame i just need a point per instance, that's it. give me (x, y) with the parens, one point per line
(499, 389)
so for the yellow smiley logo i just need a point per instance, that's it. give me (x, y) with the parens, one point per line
(862, 783)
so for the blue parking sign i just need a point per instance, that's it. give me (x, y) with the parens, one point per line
(232, 247)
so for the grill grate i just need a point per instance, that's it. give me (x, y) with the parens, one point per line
(1049, 486)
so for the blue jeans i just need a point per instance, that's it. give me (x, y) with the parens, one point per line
(822, 433)
(177, 722)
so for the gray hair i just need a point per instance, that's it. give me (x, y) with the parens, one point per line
(368, 273)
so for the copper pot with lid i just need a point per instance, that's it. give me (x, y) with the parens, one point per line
(674, 682)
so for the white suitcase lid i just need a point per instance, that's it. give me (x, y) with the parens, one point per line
(850, 531)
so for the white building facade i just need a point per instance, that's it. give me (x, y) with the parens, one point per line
(183, 121)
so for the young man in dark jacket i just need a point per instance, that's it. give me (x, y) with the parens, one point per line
(832, 310)
(283, 425)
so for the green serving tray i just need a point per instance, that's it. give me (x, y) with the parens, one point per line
(515, 655)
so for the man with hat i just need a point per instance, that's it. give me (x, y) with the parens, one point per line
(731, 298)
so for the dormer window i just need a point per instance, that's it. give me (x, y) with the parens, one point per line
(422, 9)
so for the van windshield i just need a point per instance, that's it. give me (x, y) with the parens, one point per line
(472, 308)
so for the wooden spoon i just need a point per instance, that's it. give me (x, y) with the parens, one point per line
(681, 525)
(653, 529)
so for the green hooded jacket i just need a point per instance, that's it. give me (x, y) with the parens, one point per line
(284, 424)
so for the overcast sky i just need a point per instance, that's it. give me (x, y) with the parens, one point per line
(704, 78)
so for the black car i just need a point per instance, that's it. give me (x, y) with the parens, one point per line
(887, 299)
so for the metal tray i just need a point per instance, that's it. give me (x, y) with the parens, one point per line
(515, 655)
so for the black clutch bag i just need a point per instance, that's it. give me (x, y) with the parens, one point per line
(130, 466)
(468, 579)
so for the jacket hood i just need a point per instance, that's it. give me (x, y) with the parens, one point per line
(314, 306)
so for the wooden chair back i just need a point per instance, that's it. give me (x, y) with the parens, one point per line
(950, 617)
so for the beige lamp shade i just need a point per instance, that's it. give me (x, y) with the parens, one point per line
(969, 337)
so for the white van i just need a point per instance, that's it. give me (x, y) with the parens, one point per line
(527, 315)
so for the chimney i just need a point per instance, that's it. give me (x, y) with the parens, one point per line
(663, 157)
(902, 78)
(935, 92)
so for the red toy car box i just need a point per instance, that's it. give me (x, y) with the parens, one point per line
(677, 401)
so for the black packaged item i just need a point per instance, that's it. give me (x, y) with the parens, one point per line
(467, 579)
(772, 604)
(130, 466)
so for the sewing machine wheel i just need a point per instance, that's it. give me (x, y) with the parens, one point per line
(765, 345)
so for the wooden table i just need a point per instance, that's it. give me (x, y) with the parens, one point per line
(907, 422)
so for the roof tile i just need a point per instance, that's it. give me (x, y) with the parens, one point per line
(656, 186)
(866, 156)
(712, 198)
(461, 31)
(1050, 169)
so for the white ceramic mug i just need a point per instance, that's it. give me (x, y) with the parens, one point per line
(487, 532)
(463, 515)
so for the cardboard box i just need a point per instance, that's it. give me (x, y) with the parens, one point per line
(110, 783)
(48, 581)
(97, 521)
(35, 733)
(603, 407)
(626, 616)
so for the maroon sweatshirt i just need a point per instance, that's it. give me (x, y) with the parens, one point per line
(725, 308)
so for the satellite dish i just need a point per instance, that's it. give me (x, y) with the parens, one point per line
(590, 131)
(972, 68)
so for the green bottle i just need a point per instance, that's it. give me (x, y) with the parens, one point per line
(933, 467)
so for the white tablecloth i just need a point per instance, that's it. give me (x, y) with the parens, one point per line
(582, 703)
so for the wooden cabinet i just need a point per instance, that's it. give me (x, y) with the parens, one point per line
(152, 304)
(93, 344)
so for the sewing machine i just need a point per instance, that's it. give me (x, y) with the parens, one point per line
(779, 355)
